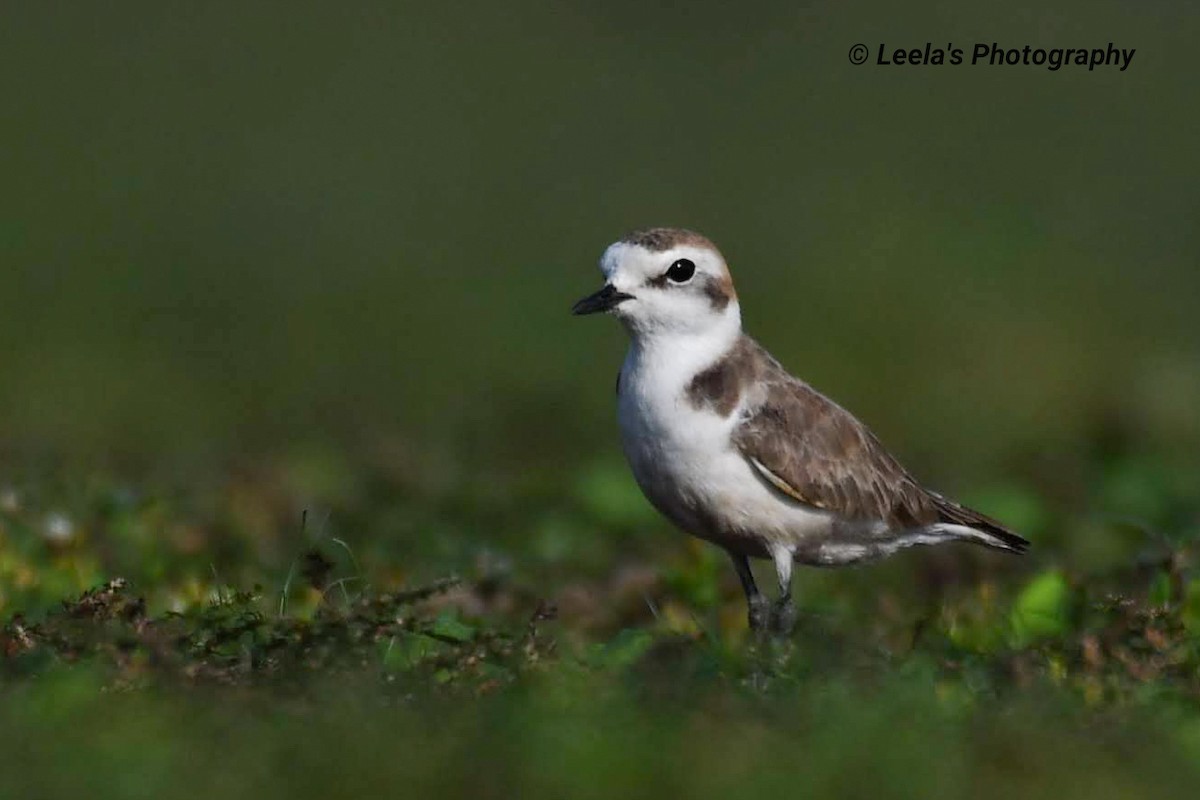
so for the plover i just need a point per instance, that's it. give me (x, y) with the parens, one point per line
(731, 448)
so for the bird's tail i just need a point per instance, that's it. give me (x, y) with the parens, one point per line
(993, 533)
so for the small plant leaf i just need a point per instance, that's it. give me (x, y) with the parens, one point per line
(1042, 610)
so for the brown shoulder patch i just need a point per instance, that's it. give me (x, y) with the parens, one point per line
(659, 239)
(720, 386)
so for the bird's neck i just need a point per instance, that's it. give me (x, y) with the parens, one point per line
(679, 355)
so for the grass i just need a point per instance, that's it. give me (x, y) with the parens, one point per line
(161, 646)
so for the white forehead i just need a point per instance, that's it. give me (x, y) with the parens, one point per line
(633, 261)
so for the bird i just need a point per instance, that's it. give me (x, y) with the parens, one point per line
(732, 448)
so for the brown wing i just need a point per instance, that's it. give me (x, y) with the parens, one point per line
(816, 452)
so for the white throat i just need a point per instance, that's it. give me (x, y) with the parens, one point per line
(674, 356)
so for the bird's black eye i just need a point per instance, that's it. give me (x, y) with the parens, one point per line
(681, 271)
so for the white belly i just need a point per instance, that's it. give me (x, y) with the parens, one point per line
(684, 463)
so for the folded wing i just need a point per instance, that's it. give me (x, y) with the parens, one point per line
(814, 451)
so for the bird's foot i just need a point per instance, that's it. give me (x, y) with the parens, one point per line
(760, 613)
(783, 616)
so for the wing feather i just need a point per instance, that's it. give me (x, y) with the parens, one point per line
(815, 452)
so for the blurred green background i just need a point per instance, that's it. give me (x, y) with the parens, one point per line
(285, 279)
(243, 226)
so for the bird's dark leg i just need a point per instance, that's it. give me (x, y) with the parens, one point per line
(783, 612)
(756, 602)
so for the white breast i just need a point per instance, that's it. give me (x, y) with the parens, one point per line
(684, 462)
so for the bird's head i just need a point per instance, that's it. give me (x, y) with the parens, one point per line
(665, 281)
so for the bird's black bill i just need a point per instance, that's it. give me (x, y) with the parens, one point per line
(603, 300)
